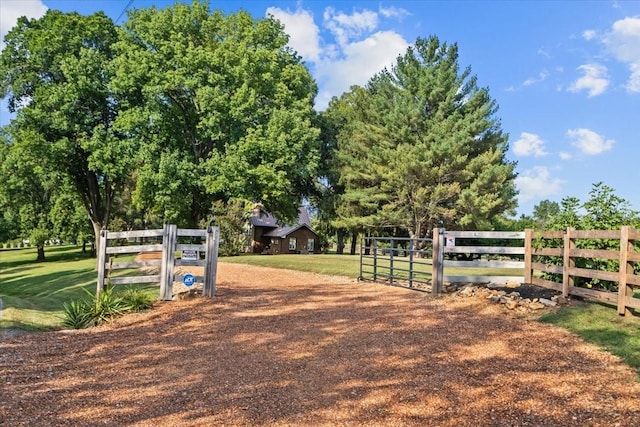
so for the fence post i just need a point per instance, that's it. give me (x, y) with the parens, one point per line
(625, 267)
(169, 237)
(392, 249)
(411, 249)
(436, 262)
(568, 262)
(102, 259)
(528, 257)
(211, 266)
(375, 257)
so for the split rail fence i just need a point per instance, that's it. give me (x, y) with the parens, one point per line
(550, 259)
(169, 246)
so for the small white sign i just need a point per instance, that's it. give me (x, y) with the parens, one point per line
(189, 255)
(451, 242)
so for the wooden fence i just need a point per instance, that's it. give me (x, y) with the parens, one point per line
(550, 262)
(481, 250)
(169, 235)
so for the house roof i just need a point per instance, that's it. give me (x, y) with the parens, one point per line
(266, 219)
(282, 232)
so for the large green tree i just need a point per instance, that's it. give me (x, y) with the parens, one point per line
(56, 74)
(421, 144)
(223, 109)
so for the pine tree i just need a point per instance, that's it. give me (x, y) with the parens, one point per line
(420, 144)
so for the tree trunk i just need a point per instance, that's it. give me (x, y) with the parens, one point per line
(97, 228)
(340, 233)
(354, 242)
(41, 257)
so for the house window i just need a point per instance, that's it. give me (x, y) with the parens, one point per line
(311, 245)
(292, 243)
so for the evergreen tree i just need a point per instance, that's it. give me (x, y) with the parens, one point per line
(420, 144)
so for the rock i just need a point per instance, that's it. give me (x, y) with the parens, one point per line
(514, 295)
(536, 305)
(512, 304)
(562, 300)
(494, 298)
(512, 285)
(547, 302)
(467, 291)
(494, 286)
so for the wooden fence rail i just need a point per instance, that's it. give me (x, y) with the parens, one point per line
(550, 262)
(169, 235)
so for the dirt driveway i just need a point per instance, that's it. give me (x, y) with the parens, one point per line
(277, 347)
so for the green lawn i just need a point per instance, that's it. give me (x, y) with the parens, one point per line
(33, 292)
(600, 324)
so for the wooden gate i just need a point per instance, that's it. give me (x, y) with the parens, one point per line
(169, 235)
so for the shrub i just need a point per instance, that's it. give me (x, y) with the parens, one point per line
(107, 305)
(137, 299)
(77, 314)
(92, 311)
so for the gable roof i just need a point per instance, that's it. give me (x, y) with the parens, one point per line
(266, 219)
(282, 232)
(263, 219)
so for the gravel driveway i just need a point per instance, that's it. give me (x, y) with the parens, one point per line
(277, 347)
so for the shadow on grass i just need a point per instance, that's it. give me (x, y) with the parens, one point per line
(599, 324)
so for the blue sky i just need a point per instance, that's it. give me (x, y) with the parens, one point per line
(566, 74)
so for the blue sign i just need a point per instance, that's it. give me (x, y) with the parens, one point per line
(188, 279)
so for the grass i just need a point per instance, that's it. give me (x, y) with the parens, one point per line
(349, 265)
(33, 293)
(600, 324)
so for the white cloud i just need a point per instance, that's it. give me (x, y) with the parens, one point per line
(356, 54)
(589, 34)
(393, 12)
(359, 62)
(623, 41)
(565, 156)
(537, 183)
(529, 144)
(541, 51)
(533, 80)
(589, 142)
(346, 27)
(594, 80)
(10, 11)
(304, 34)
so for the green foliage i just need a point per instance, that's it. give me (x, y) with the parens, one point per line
(78, 314)
(221, 107)
(56, 75)
(137, 299)
(95, 310)
(232, 218)
(421, 144)
(602, 211)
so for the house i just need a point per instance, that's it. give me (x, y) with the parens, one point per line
(270, 236)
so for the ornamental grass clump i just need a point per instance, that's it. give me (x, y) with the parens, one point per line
(95, 310)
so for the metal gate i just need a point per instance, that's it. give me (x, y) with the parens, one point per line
(397, 261)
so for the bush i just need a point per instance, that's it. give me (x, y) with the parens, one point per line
(77, 314)
(137, 299)
(93, 311)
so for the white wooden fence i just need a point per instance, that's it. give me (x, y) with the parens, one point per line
(167, 263)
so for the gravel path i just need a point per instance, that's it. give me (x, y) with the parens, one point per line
(278, 347)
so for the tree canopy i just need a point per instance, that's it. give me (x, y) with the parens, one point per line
(421, 144)
(221, 107)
